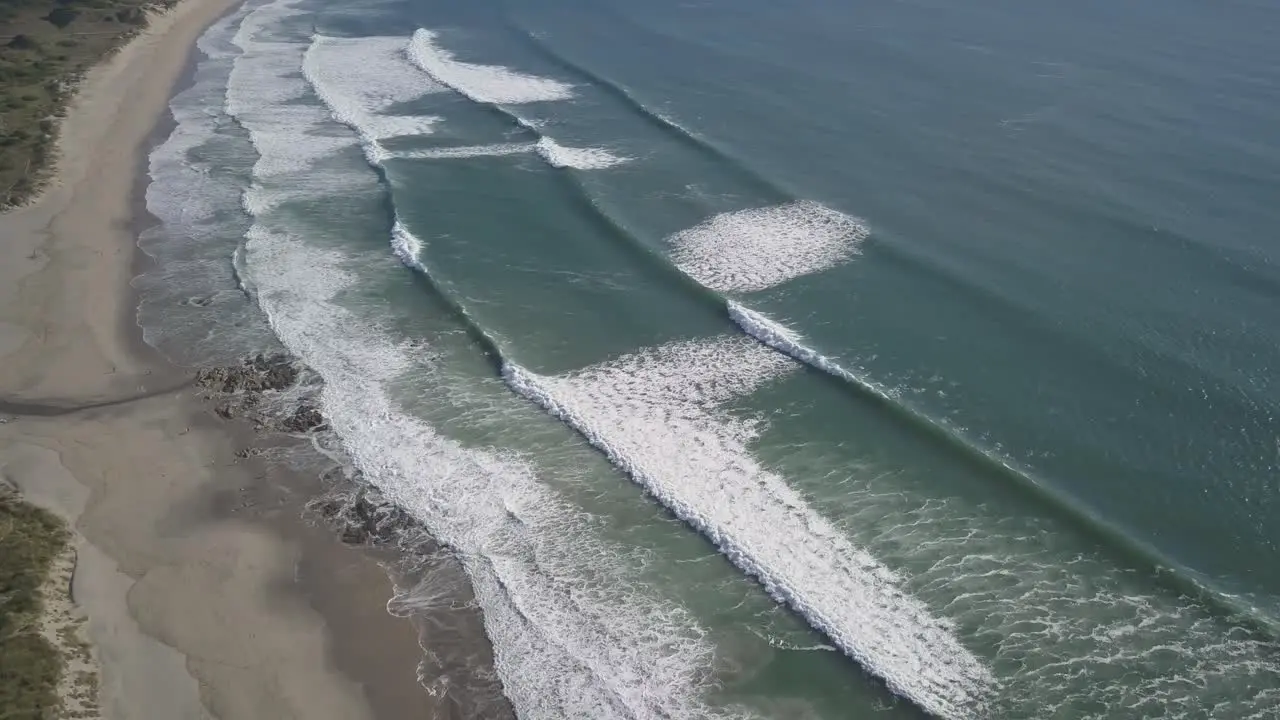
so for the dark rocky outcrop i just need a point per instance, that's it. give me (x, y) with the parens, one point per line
(259, 373)
(23, 42)
(242, 390)
(364, 517)
(307, 418)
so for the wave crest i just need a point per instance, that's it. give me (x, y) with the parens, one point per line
(491, 84)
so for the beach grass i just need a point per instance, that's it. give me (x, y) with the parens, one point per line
(45, 46)
(30, 666)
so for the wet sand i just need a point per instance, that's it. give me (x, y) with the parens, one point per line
(206, 592)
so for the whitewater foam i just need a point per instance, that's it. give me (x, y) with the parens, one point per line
(266, 91)
(467, 151)
(492, 84)
(570, 638)
(1070, 633)
(756, 249)
(659, 416)
(189, 304)
(585, 658)
(579, 158)
(406, 246)
(361, 79)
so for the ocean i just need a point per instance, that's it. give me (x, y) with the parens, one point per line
(775, 360)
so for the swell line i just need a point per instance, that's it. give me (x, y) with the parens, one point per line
(663, 123)
(408, 248)
(1171, 575)
(953, 687)
(404, 244)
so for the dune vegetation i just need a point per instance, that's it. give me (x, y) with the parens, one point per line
(30, 666)
(45, 46)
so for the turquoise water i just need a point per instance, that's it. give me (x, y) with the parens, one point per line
(778, 361)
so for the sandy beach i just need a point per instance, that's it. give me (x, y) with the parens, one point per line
(204, 591)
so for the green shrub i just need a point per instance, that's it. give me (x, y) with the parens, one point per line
(62, 16)
(30, 539)
(35, 65)
(24, 42)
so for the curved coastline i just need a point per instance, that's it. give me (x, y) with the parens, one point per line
(107, 434)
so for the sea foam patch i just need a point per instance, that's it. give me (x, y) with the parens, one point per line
(658, 415)
(755, 249)
(491, 84)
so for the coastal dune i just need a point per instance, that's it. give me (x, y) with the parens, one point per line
(194, 570)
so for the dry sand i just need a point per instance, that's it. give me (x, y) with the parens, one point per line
(187, 559)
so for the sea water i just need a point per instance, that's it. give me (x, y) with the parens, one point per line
(763, 360)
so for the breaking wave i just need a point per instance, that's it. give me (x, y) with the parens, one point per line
(659, 416)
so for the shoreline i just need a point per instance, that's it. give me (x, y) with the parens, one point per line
(178, 535)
